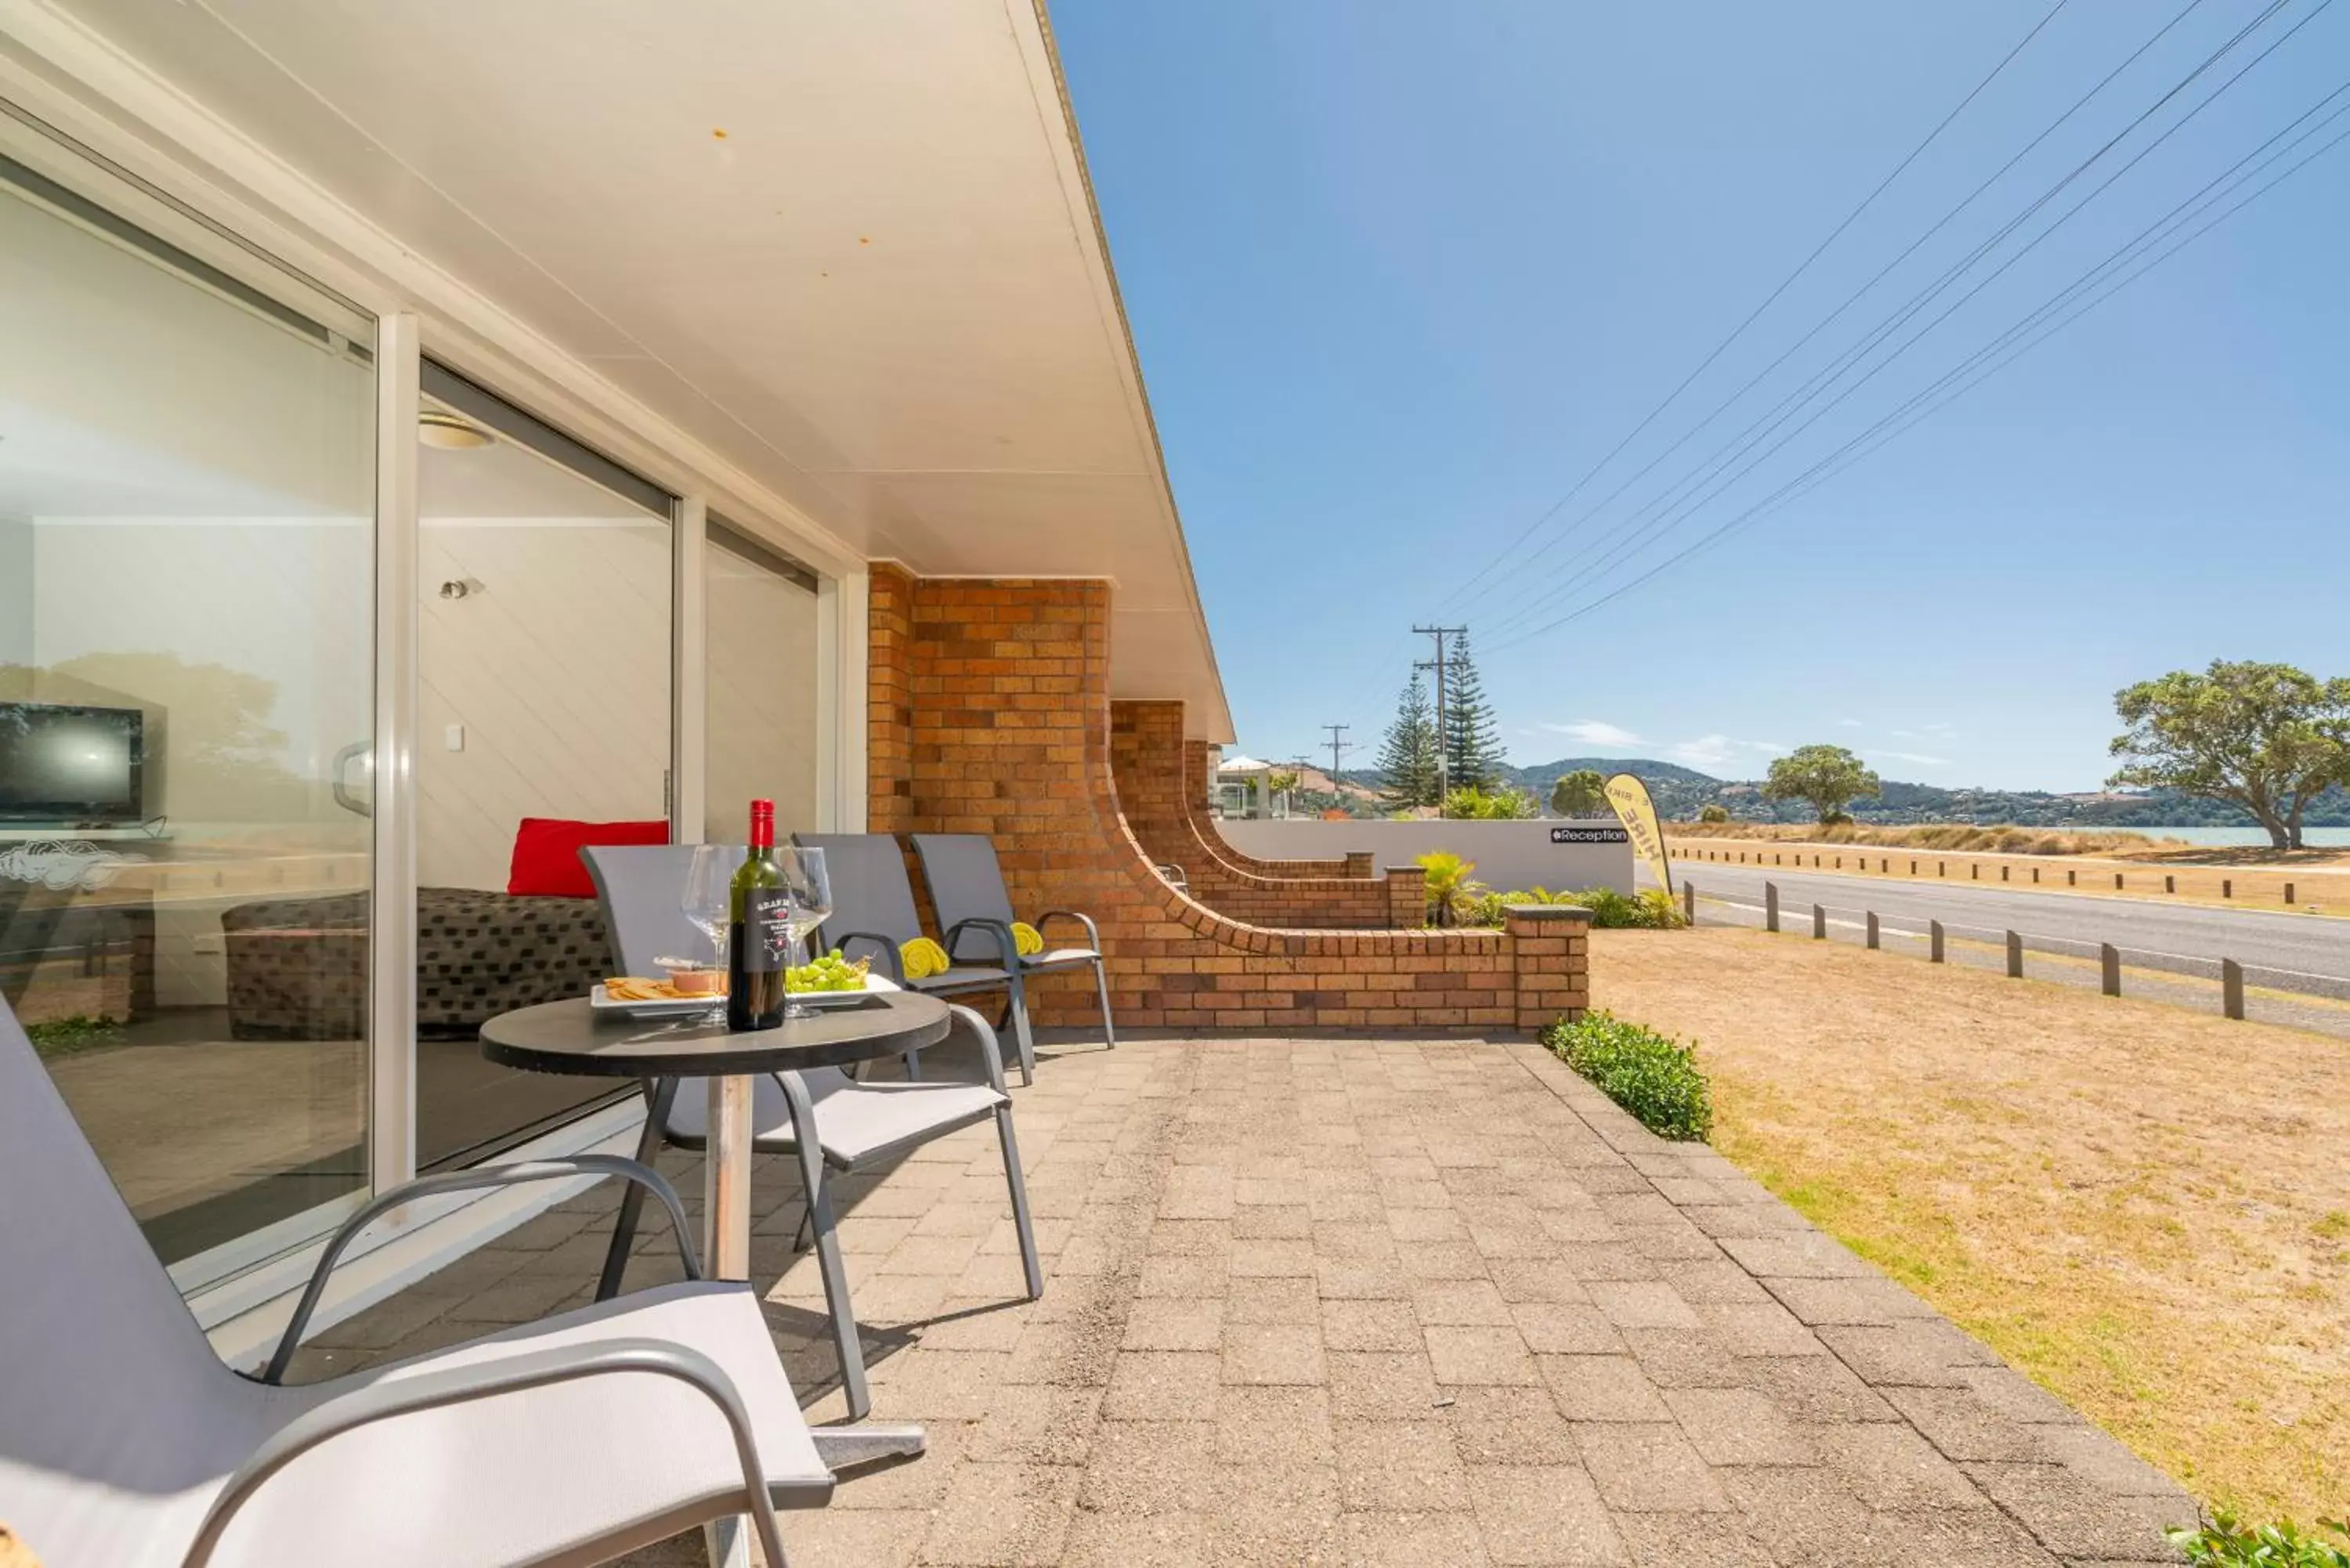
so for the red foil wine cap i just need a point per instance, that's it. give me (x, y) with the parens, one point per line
(762, 823)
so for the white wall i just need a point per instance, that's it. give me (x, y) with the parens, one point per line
(558, 668)
(15, 591)
(762, 697)
(1508, 855)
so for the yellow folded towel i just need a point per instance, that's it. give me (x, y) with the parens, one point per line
(924, 958)
(1026, 937)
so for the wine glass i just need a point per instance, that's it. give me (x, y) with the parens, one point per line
(705, 901)
(808, 894)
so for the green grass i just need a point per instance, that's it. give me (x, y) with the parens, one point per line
(69, 1036)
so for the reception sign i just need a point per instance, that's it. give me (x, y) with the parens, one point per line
(1638, 813)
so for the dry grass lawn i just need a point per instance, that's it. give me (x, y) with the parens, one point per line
(2146, 1210)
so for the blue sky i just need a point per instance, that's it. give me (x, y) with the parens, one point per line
(1401, 275)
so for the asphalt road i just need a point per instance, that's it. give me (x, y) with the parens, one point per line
(2292, 952)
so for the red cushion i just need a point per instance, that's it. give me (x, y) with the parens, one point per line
(547, 863)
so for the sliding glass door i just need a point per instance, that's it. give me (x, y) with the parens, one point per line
(544, 574)
(759, 609)
(187, 540)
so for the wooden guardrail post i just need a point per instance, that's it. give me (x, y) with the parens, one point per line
(2231, 988)
(1872, 930)
(1689, 899)
(2170, 884)
(2109, 968)
(1770, 906)
(2288, 893)
(2226, 887)
(1933, 942)
(1819, 923)
(2014, 955)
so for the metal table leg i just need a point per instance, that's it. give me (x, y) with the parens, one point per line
(726, 1249)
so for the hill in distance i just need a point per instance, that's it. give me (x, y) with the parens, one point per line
(1682, 793)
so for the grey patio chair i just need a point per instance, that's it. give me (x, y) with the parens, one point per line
(125, 1442)
(873, 912)
(859, 1126)
(975, 913)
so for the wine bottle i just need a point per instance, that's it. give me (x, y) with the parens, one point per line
(758, 931)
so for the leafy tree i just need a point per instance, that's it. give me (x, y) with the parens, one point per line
(1582, 793)
(1281, 780)
(1712, 812)
(2267, 737)
(1473, 736)
(1826, 776)
(1505, 804)
(1408, 774)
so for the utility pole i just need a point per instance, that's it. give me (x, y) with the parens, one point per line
(1444, 762)
(1337, 745)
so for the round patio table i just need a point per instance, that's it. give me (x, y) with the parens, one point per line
(574, 1037)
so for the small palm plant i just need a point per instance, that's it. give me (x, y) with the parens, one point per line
(1452, 892)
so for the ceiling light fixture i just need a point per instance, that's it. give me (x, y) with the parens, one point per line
(451, 432)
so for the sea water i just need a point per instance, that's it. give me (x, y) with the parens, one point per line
(2314, 837)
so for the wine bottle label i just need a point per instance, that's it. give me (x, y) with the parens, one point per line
(766, 931)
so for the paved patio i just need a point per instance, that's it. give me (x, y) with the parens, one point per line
(1345, 1301)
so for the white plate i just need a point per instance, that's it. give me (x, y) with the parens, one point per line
(665, 1007)
(874, 984)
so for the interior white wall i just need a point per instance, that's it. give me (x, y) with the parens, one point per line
(15, 591)
(557, 669)
(762, 695)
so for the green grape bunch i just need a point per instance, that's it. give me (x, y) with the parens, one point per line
(830, 972)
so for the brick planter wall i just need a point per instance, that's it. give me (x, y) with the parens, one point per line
(989, 713)
(1148, 768)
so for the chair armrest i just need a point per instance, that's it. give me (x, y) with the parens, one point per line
(989, 1053)
(460, 1384)
(1006, 949)
(644, 1176)
(892, 960)
(1093, 933)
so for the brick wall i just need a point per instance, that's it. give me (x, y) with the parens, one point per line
(1148, 768)
(990, 713)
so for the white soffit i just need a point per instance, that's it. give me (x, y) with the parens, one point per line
(845, 244)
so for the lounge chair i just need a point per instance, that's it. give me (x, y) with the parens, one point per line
(873, 913)
(857, 1126)
(975, 920)
(125, 1441)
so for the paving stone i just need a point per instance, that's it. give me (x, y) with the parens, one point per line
(1818, 1388)
(1461, 1353)
(1151, 1467)
(1648, 1468)
(1547, 1280)
(1509, 1424)
(1763, 1328)
(1889, 1466)
(1965, 1426)
(1547, 1514)
(1157, 1385)
(1272, 1518)
(1685, 1358)
(1273, 1353)
(1738, 1426)
(1274, 1426)
(1401, 1466)
(1641, 1303)
(1602, 1389)
(1689, 1539)
(1459, 1302)
(1412, 1541)
(1133, 1541)
(1804, 1255)
(1285, 1299)
(1379, 1385)
(1565, 1329)
(1370, 1325)
(1924, 1354)
(1175, 1323)
(1805, 1517)
(1036, 1423)
(2074, 1518)
(1004, 1517)
(2102, 1462)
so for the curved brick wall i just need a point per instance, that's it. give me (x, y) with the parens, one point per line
(989, 713)
(1152, 771)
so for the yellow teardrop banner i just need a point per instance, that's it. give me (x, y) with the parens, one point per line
(1638, 813)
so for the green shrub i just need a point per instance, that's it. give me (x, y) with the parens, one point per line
(1651, 909)
(1652, 1075)
(2230, 1543)
(1503, 803)
(1710, 812)
(1455, 896)
(65, 1036)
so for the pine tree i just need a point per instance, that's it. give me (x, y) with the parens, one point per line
(1472, 740)
(1408, 754)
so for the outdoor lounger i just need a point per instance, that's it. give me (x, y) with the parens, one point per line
(975, 920)
(857, 1126)
(125, 1442)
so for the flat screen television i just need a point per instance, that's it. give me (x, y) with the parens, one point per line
(71, 765)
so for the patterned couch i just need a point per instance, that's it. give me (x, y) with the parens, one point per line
(297, 967)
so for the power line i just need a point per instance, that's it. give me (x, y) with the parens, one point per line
(1914, 410)
(1627, 537)
(1771, 298)
(1337, 745)
(1531, 586)
(1443, 760)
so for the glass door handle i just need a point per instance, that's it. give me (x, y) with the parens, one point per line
(364, 752)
